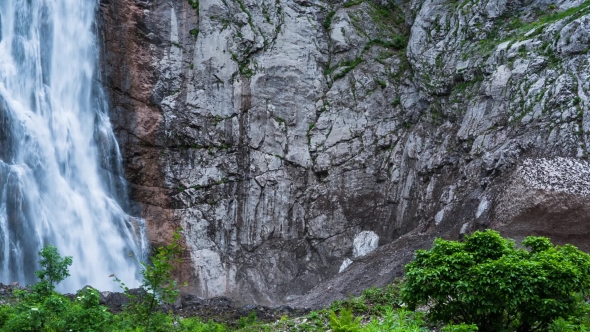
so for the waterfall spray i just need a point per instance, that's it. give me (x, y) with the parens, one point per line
(60, 167)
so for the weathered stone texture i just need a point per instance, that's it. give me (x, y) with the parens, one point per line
(273, 132)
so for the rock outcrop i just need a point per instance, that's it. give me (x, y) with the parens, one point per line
(273, 132)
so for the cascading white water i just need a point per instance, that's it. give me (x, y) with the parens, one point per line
(60, 170)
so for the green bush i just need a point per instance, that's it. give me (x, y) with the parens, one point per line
(6, 311)
(346, 322)
(86, 314)
(43, 309)
(460, 328)
(157, 287)
(196, 325)
(396, 321)
(488, 282)
(54, 270)
(387, 296)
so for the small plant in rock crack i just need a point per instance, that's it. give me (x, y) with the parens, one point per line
(157, 287)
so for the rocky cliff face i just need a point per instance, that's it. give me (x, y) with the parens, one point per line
(273, 132)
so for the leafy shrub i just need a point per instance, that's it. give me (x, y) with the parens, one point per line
(346, 322)
(460, 328)
(396, 321)
(54, 270)
(86, 314)
(157, 287)
(5, 312)
(577, 322)
(195, 325)
(488, 282)
(562, 325)
(43, 309)
(247, 321)
(389, 295)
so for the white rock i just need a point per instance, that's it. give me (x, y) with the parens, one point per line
(482, 207)
(364, 243)
(439, 217)
(345, 264)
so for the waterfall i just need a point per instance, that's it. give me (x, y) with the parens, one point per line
(60, 167)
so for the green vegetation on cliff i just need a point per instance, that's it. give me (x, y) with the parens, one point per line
(487, 281)
(484, 283)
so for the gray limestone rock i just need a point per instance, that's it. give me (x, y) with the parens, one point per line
(364, 242)
(273, 132)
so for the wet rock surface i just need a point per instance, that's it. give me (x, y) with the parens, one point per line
(6, 292)
(274, 132)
